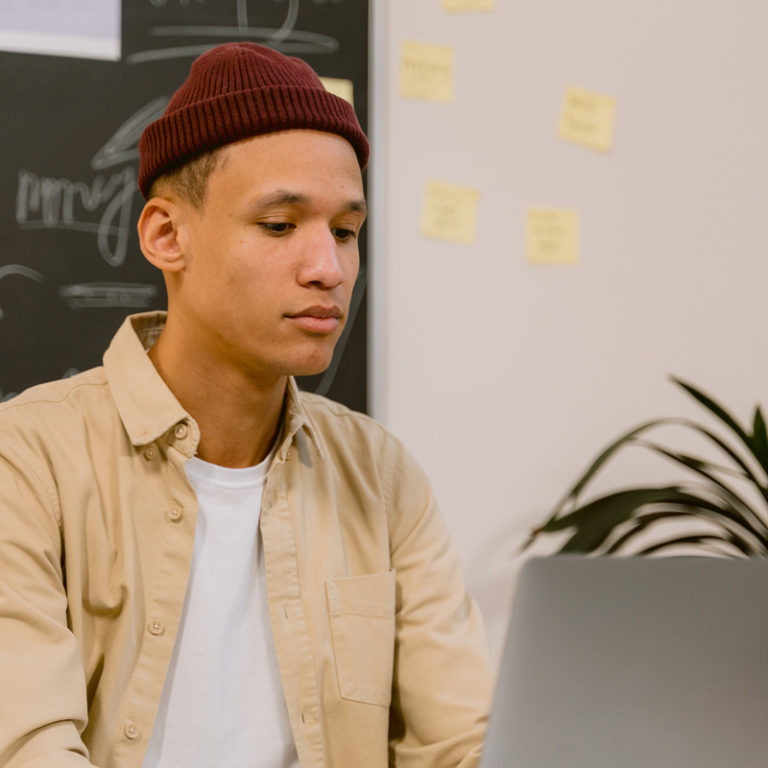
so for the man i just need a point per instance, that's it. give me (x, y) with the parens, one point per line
(199, 564)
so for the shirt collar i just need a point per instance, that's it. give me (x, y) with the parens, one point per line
(147, 406)
(296, 418)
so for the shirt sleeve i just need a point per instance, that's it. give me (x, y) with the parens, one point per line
(442, 684)
(43, 707)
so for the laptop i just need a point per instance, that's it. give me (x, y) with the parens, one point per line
(634, 663)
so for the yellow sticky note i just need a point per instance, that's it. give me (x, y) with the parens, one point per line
(588, 118)
(469, 5)
(339, 87)
(426, 71)
(450, 212)
(552, 235)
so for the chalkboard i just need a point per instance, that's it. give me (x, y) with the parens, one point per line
(70, 264)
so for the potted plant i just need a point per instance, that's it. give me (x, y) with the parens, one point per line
(721, 506)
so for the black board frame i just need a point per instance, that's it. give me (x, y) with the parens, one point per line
(70, 265)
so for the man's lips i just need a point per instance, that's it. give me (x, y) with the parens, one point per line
(319, 318)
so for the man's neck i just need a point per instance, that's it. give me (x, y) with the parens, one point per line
(238, 419)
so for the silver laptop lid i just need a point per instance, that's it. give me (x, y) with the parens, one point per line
(634, 663)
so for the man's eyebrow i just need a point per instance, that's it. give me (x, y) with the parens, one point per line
(286, 197)
(280, 197)
(358, 206)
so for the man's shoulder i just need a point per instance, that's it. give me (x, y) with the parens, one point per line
(324, 412)
(340, 427)
(55, 405)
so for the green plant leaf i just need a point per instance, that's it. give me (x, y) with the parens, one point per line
(742, 512)
(612, 521)
(606, 454)
(713, 407)
(724, 446)
(607, 511)
(747, 472)
(690, 539)
(760, 438)
(727, 419)
(596, 521)
(640, 523)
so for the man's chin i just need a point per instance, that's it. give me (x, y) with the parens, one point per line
(310, 359)
(306, 368)
(306, 373)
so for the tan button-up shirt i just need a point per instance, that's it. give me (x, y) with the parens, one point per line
(381, 652)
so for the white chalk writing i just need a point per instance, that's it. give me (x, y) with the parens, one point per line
(18, 269)
(285, 38)
(52, 203)
(103, 295)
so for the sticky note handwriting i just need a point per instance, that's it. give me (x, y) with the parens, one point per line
(552, 235)
(426, 71)
(588, 118)
(450, 212)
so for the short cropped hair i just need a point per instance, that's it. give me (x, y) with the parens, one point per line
(190, 180)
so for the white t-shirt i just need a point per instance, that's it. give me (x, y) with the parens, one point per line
(223, 703)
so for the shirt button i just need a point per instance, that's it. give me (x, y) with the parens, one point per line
(150, 453)
(156, 627)
(307, 718)
(131, 731)
(180, 431)
(175, 514)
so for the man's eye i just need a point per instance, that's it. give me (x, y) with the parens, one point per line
(343, 234)
(276, 227)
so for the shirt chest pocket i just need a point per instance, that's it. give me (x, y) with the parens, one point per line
(361, 610)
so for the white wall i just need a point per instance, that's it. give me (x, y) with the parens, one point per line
(503, 377)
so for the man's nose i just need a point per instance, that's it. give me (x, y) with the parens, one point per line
(321, 263)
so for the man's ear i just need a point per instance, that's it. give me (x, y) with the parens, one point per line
(161, 241)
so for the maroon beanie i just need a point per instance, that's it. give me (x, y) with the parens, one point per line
(237, 90)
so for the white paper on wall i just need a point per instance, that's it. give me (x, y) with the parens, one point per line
(87, 29)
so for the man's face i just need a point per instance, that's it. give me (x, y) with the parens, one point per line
(272, 257)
